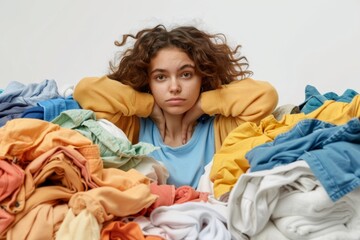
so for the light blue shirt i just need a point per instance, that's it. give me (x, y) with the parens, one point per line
(185, 163)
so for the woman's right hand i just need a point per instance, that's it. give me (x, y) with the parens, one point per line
(157, 116)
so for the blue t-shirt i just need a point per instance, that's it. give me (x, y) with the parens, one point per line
(185, 163)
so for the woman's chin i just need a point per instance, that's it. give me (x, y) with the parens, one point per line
(175, 112)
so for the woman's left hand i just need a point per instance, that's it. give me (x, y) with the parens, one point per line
(189, 121)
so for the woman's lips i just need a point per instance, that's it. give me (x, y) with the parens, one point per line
(175, 101)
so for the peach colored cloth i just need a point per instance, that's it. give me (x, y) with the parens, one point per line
(54, 177)
(42, 222)
(116, 178)
(82, 226)
(107, 202)
(90, 209)
(22, 140)
(129, 187)
(65, 172)
(118, 230)
(60, 169)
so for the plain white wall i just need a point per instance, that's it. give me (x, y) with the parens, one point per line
(288, 43)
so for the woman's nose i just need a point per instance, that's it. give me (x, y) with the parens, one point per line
(175, 86)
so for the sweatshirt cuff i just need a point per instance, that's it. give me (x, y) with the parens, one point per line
(207, 102)
(144, 103)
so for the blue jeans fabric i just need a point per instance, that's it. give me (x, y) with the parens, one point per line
(53, 107)
(314, 99)
(332, 152)
(36, 112)
(50, 109)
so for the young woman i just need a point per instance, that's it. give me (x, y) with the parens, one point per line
(182, 90)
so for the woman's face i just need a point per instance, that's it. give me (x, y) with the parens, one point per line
(173, 81)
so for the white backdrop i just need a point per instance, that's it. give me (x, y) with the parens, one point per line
(288, 43)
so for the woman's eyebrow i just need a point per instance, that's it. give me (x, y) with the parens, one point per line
(181, 68)
(157, 70)
(186, 66)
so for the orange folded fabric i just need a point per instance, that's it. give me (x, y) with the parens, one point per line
(119, 230)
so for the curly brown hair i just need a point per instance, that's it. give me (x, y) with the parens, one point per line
(216, 63)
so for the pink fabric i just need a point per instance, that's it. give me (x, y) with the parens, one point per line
(11, 179)
(6, 219)
(187, 194)
(169, 195)
(165, 193)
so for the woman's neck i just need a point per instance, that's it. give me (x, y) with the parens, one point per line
(173, 136)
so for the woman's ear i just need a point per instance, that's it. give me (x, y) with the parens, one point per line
(146, 89)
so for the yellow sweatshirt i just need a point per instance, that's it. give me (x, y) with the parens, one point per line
(241, 101)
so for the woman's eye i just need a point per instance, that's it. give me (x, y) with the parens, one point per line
(186, 75)
(160, 77)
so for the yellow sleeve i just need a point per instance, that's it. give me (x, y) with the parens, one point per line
(248, 100)
(114, 101)
(241, 101)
